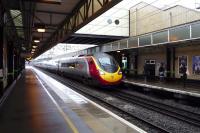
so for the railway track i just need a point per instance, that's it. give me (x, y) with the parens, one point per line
(117, 108)
(177, 113)
(182, 115)
(88, 93)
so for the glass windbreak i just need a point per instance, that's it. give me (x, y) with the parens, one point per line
(108, 64)
(196, 30)
(160, 37)
(145, 40)
(179, 33)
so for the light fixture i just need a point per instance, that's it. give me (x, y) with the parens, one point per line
(41, 29)
(35, 46)
(36, 41)
(118, 51)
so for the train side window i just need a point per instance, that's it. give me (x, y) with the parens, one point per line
(71, 65)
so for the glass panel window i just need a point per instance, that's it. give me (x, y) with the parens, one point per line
(115, 46)
(93, 50)
(106, 48)
(103, 48)
(133, 42)
(180, 33)
(97, 49)
(160, 37)
(196, 30)
(123, 44)
(145, 40)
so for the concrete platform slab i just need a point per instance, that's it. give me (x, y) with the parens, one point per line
(40, 104)
(165, 86)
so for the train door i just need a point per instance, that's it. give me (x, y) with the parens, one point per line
(151, 67)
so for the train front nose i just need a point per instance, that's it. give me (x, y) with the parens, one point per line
(111, 78)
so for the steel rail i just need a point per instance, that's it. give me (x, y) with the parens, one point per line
(87, 92)
(180, 114)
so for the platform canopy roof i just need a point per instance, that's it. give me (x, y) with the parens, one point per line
(59, 18)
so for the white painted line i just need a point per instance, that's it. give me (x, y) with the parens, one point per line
(106, 110)
(113, 114)
(164, 88)
(66, 118)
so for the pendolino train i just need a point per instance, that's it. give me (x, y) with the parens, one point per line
(97, 69)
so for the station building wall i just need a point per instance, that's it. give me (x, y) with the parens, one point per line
(145, 18)
(159, 55)
(190, 52)
(153, 53)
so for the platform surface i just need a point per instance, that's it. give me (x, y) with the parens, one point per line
(175, 87)
(40, 104)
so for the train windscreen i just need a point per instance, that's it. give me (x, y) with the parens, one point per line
(107, 63)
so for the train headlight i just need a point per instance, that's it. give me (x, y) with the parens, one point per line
(101, 72)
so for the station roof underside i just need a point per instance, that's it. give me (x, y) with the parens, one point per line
(60, 18)
(92, 39)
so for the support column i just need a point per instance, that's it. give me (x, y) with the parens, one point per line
(136, 65)
(16, 63)
(10, 63)
(168, 62)
(1, 48)
(133, 63)
(173, 61)
(1, 61)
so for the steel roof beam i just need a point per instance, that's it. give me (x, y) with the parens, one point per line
(85, 12)
(47, 1)
(52, 12)
(98, 36)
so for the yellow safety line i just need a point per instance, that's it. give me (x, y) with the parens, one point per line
(67, 119)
